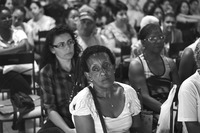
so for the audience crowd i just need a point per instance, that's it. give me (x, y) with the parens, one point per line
(158, 39)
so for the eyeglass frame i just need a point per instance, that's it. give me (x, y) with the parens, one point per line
(107, 66)
(155, 38)
(61, 45)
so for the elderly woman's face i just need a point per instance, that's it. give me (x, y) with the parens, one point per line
(101, 70)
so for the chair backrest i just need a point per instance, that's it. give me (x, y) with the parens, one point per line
(38, 45)
(20, 58)
(41, 39)
(125, 51)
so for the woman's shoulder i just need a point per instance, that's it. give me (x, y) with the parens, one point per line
(127, 88)
(47, 69)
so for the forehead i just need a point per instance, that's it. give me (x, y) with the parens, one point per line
(34, 5)
(167, 18)
(62, 37)
(17, 12)
(155, 32)
(98, 57)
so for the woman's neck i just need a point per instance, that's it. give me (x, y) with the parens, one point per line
(38, 17)
(121, 26)
(103, 93)
(65, 64)
(149, 56)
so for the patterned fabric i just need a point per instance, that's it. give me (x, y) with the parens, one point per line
(161, 83)
(83, 104)
(122, 38)
(58, 87)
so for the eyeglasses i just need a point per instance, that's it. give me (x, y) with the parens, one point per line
(61, 45)
(106, 66)
(154, 39)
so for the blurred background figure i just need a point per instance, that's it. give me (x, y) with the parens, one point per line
(172, 34)
(135, 14)
(187, 23)
(119, 32)
(18, 17)
(71, 16)
(87, 30)
(54, 9)
(73, 3)
(137, 48)
(39, 22)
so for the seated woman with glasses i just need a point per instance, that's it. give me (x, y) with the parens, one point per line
(60, 78)
(152, 64)
(118, 103)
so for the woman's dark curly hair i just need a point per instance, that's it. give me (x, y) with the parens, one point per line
(94, 50)
(47, 56)
(118, 7)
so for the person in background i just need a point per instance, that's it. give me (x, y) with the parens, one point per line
(87, 31)
(18, 17)
(150, 64)
(118, 102)
(194, 5)
(39, 22)
(187, 23)
(189, 99)
(10, 5)
(73, 3)
(172, 34)
(60, 78)
(119, 32)
(166, 6)
(71, 16)
(148, 6)
(12, 41)
(55, 10)
(158, 12)
(134, 8)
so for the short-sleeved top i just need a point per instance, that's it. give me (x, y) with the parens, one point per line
(45, 23)
(189, 100)
(17, 36)
(111, 31)
(83, 104)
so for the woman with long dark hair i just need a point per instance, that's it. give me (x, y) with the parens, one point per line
(60, 77)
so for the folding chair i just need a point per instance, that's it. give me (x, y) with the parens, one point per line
(40, 44)
(21, 58)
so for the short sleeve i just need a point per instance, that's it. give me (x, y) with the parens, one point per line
(19, 35)
(133, 101)
(187, 109)
(82, 103)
